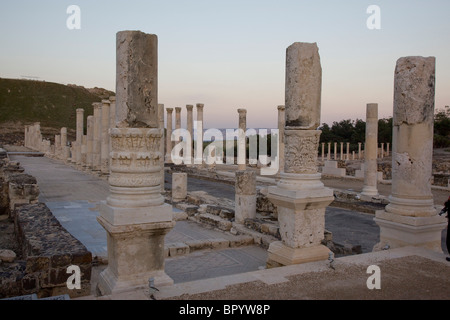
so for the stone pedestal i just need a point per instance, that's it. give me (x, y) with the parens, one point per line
(411, 219)
(134, 215)
(179, 186)
(245, 197)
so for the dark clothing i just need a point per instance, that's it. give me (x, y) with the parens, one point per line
(446, 209)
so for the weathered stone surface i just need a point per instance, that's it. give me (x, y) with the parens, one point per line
(301, 151)
(414, 90)
(179, 186)
(303, 86)
(137, 79)
(7, 255)
(245, 182)
(371, 152)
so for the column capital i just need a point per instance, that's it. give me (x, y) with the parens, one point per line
(281, 108)
(243, 111)
(97, 105)
(169, 110)
(80, 110)
(189, 107)
(107, 102)
(112, 98)
(200, 106)
(178, 109)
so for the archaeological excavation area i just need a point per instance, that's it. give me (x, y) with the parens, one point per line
(140, 207)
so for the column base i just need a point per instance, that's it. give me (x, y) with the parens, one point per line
(281, 255)
(135, 254)
(401, 231)
(110, 284)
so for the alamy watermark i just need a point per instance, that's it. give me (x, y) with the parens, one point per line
(374, 281)
(223, 149)
(73, 22)
(374, 20)
(74, 281)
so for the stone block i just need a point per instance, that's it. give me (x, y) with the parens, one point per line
(178, 249)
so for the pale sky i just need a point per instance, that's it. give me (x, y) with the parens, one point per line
(231, 54)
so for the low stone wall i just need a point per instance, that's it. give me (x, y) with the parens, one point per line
(49, 250)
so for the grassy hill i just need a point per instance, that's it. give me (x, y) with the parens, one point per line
(53, 105)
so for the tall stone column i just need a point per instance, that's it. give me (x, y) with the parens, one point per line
(162, 145)
(104, 147)
(190, 127)
(57, 150)
(169, 135)
(342, 151)
(84, 152)
(348, 151)
(65, 152)
(80, 128)
(134, 215)
(300, 196)
(241, 154)
(112, 112)
(329, 151)
(359, 150)
(387, 149)
(281, 124)
(335, 151)
(199, 136)
(177, 118)
(90, 141)
(323, 151)
(97, 139)
(370, 189)
(410, 218)
(245, 196)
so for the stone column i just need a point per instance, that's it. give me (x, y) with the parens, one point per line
(382, 151)
(177, 118)
(97, 142)
(199, 135)
(387, 149)
(329, 151)
(190, 127)
(57, 150)
(410, 218)
(245, 196)
(65, 153)
(369, 189)
(90, 141)
(348, 150)
(281, 124)
(168, 135)
(84, 152)
(323, 151)
(80, 128)
(179, 186)
(342, 151)
(335, 151)
(300, 196)
(112, 112)
(359, 150)
(104, 147)
(134, 215)
(241, 154)
(162, 145)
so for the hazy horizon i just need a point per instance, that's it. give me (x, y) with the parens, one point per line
(230, 55)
